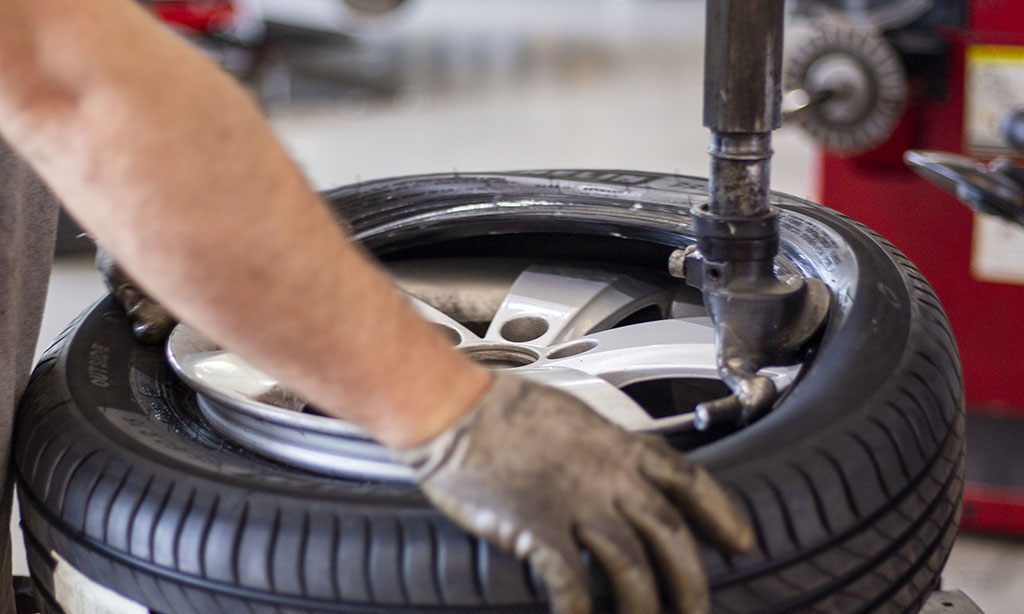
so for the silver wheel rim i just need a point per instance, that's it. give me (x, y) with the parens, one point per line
(558, 325)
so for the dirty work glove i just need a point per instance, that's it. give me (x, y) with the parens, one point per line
(151, 323)
(538, 473)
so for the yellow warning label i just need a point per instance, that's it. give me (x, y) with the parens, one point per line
(995, 86)
(995, 53)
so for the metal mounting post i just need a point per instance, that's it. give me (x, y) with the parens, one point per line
(760, 319)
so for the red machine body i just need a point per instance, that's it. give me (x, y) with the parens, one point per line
(937, 233)
(199, 16)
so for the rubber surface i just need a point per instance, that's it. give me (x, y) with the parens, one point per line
(853, 483)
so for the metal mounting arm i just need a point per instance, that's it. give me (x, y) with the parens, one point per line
(760, 319)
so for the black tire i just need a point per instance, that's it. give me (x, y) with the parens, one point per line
(853, 482)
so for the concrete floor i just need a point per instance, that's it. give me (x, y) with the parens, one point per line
(471, 85)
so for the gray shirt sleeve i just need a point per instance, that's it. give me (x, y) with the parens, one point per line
(28, 222)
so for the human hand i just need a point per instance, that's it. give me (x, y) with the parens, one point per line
(538, 473)
(151, 323)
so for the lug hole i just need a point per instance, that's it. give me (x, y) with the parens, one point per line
(501, 356)
(526, 328)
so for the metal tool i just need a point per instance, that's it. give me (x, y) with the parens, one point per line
(760, 319)
(995, 188)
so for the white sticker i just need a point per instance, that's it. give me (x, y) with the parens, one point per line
(997, 252)
(77, 594)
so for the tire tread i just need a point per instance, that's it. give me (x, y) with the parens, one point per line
(859, 520)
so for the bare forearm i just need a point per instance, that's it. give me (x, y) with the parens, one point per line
(171, 166)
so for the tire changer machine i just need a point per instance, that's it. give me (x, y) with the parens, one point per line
(916, 105)
(872, 81)
(876, 83)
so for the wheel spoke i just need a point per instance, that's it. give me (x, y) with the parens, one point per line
(549, 305)
(677, 348)
(459, 334)
(600, 395)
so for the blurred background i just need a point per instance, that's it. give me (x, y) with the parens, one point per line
(363, 89)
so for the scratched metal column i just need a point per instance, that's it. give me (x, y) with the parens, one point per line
(742, 101)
